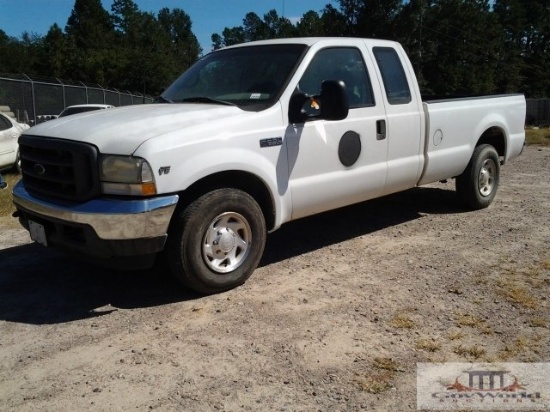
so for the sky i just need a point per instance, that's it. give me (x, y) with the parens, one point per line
(207, 16)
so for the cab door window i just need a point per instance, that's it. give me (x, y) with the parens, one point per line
(339, 63)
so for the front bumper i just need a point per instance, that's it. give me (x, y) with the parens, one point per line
(100, 227)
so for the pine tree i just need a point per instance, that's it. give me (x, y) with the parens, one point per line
(57, 52)
(526, 57)
(310, 25)
(91, 34)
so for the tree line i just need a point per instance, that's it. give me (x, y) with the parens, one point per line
(127, 48)
(457, 47)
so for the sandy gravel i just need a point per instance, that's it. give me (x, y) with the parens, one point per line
(342, 308)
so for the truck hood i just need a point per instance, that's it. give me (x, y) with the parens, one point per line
(122, 130)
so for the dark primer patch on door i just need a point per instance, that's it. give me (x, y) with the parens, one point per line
(349, 148)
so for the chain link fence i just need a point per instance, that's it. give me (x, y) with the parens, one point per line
(33, 100)
(538, 112)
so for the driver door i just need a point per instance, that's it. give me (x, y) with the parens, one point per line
(337, 163)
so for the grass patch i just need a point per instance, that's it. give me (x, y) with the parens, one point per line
(517, 350)
(376, 383)
(455, 335)
(387, 364)
(402, 321)
(514, 291)
(539, 137)
(382, 380)
(468, 320)
(522, 285)
(472, 351)
(537, 322)
(473, 322)
(428, 345)
(6, 204)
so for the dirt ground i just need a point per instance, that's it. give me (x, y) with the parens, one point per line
(341, 309)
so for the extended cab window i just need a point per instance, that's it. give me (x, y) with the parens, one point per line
(339, 64)
(393, 75)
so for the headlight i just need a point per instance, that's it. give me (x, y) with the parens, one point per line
(121, 175)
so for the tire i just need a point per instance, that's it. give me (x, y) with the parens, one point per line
(216, 242)
(477, 186)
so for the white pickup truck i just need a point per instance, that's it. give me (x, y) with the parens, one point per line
(250, 137)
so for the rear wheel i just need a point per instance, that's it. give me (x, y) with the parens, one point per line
(217, 241)
(477, 186)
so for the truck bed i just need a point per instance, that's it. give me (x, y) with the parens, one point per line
(464, 120)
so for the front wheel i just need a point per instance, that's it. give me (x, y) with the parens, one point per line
(477, 186)
(217, 241)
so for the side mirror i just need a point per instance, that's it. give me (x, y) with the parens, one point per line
(334, 100)
(331, 104)
(3, 183)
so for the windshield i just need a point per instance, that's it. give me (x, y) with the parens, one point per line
(250, 77)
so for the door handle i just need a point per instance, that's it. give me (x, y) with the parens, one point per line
(380, 129)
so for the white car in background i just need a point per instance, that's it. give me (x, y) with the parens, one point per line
(10, 130)
(81, 108)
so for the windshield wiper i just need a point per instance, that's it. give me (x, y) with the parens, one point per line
(162, 99)
(204, 99)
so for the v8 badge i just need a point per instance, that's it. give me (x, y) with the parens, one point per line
(164, 170)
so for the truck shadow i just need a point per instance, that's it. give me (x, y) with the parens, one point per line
(39, 286)
(315, 232)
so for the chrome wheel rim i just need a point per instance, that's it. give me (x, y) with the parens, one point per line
(226, 243)
(486, 179)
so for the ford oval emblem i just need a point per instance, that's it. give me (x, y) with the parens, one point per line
(39, 169)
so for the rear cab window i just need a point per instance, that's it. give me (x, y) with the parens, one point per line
(393, 75)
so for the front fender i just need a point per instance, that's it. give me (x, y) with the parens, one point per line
(269, 165)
